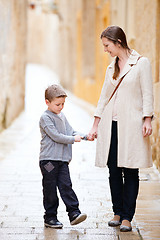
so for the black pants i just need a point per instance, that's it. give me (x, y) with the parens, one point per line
(124, 182)
(56, 174)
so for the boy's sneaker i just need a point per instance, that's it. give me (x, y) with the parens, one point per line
(77, 218)
(54, 223)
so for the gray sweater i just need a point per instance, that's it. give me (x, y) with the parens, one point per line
(57, 137)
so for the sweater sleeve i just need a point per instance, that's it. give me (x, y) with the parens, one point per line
(49, 128)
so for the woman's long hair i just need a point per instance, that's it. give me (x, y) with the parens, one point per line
(116, 35)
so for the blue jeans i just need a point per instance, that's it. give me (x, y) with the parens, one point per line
(56, 175)
(124, 182)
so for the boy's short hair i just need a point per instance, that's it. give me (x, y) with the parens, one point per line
(54, 91)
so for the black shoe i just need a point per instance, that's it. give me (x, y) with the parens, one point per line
(77, 218)
(53, 224)
(124, 228)
(114, 223)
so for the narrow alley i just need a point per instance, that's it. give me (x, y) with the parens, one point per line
(50, 41)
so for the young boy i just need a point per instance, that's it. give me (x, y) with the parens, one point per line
(55, 154)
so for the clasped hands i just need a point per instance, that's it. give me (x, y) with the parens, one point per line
(90, 137)
(92, 134)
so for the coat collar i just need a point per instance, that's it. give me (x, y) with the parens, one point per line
(132, 60)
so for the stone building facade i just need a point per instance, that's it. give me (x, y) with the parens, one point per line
(13, 25)
(83, 21)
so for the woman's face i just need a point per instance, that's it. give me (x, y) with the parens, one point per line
(110, 47)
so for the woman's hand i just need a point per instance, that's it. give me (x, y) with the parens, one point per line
(147, 127)
(93, 132)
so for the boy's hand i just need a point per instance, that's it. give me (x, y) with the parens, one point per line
(77, 138)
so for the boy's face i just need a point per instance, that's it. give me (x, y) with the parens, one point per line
(56, 105)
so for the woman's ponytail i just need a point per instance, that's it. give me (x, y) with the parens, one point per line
(116, 69)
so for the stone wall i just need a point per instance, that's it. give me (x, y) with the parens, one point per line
(83, 61)
(13, 21)
(92, 18)
(68, 42)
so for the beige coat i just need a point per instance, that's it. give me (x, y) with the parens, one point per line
(134, 102)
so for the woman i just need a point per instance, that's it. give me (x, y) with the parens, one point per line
(122, 124)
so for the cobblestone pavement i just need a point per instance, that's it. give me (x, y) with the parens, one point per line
(21, 209)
